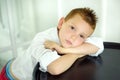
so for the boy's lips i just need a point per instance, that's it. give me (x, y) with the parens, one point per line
(68, 42)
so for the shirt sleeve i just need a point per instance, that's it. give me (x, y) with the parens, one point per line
(46, 59)
(97, 42)
(39, 53)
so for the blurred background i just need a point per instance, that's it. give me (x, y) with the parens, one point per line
(20, 20)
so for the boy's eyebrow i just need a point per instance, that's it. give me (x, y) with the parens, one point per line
(73, 24)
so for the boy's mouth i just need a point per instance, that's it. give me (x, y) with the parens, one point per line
(68, 42)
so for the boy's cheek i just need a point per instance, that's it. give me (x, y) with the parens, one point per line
(79, 43)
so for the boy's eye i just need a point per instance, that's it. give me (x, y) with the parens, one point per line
(81, 36)
(72, 27)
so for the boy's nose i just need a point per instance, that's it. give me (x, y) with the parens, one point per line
(73, 37)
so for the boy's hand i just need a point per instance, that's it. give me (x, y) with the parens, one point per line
(53, 46)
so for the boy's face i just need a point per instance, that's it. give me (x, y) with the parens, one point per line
(73, 32)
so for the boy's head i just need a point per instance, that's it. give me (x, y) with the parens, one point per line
(78, 25)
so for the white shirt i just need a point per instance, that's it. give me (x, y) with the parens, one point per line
(22, 66)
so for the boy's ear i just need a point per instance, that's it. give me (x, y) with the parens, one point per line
(61, 21)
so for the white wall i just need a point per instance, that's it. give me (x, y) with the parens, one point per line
(45, 14)
(112, 24)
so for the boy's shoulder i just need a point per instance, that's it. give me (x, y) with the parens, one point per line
(50, 29)
(48, 32)
(94, 38)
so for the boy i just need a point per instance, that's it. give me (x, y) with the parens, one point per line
(73, 32)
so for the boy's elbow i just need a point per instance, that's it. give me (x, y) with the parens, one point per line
(54, 70)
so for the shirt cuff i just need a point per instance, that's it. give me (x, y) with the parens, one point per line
(97, 42)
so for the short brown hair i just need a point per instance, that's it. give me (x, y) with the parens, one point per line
(86, 13)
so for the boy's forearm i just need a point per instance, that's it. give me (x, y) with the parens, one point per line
(84, 49)
(62, 64)
(88, 48)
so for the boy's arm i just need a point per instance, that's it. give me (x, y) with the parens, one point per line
(92, 46)
(84, 49)
(63, 63)
(60, 64)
